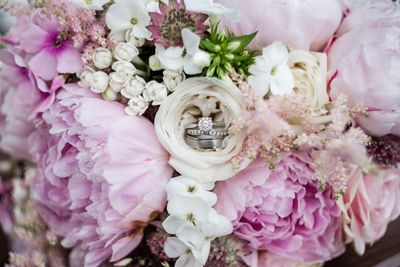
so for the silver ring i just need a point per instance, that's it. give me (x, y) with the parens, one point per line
(214, 132)
(211, 143)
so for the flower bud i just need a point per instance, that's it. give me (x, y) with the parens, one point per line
(115, 83)
(85, 77)
(154, 63)
(201, 58)
(102, 58)
(124, 69)
(110, 95)
(133, 87)
(137, 106)
(173, 78)
(126, 51)
(155, 92)
(132, 39)
(99, 82)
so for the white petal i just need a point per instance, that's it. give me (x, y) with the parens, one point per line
(118, 18)
(191, 236)
(170, 58)
(205, 252)
(174, 248)
(187, 260)
(260, 83)
(190, 68)
(172, 224)
(191, 41)
(141, 32)
(182, 206)
(282, 82)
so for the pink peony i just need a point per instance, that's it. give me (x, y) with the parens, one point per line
(304, 25)
(266, 259)
(283, 210)
(371, 203)
(101, 175)
(364, 63)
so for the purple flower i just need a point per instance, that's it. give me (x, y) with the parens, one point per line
(52, 52)
(100, 177)
(283, 210)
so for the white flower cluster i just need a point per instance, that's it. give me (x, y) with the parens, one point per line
(193, 220)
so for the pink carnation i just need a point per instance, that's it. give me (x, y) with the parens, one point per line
(283, 210)
(363, 63)
(301, 24)
(101, 175)
(371, 203)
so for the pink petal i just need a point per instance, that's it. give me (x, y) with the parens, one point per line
(69, 60)
(33, 39)
(125, 245)
(44, 64)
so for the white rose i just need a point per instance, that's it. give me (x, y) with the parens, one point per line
(125, 51)
(132, 39)
(156, 92)
(124, 70)
(116, 84)
(310, 77)
(133, 87)
(192, 99)
(102, 58)
(85, 76)
(137, 106)
(173, 78)
(99, 82)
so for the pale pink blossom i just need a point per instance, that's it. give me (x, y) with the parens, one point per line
(370, 203)
(302, 24)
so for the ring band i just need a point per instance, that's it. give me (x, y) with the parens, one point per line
(211, 143)
(214, 132)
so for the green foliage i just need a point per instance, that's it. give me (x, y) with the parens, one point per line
(228, 53)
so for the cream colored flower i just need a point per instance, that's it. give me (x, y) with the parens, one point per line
(155, 92)
(125, 51)
(172, 78)
(102, 58)
(310, 76)
(192, 99)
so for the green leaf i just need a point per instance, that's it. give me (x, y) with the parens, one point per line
(244, 41)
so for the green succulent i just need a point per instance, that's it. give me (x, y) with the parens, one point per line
(228, 53)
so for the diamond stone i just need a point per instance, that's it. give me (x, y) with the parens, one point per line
(205, 124)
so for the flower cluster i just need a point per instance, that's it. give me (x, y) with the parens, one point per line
(198, 133)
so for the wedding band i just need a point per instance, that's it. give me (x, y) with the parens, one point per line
(211, 143)
(215, 132)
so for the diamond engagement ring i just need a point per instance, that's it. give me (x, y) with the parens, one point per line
(206, 127)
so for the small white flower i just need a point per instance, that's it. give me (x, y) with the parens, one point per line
(124, 69)
(194, 60)
(125, 51)
(116, 83)
(271, 71)
(85, 76)
(102, 58)
(173, 78)
(99, 82)
(133, 87)
(137, 106)
(175, 248)
(90, 4)
(132, 39)
(209, 7)
(155, 92)
(110, 95)
(127, 14)
(183, 186)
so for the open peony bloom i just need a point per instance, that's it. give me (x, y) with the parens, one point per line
(101, 175)
(369, 205)
(266, 259)
(304, 25)
(363, 63)
(283, 210)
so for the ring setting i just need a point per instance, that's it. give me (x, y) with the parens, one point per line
(207, 135)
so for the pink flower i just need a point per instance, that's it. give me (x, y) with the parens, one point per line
(363, 63)
(283, 210)
(101, 175)
(371, 203)
(303, 25)
(51, 53)
(266, 258)
(20, 94)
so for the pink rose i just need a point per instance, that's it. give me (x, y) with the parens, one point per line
(283, 210)
(304, 25)
(371, 203)
(364, 63)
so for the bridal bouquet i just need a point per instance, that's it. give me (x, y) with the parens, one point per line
(198, 132)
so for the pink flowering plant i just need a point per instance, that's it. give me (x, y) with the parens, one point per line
(198, 133)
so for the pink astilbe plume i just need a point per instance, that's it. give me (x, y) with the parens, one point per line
(166, 27)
